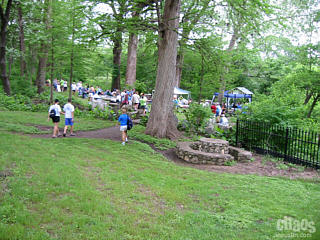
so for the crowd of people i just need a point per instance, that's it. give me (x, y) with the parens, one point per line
(219, 111)
(125, 97)
(220, 114)
(55, 112)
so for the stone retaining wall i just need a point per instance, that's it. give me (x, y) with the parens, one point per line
(240, 155)
(211, 151)
(210, 145)
(185, 152)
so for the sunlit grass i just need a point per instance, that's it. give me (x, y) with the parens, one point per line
(71, 188)
(25, 122)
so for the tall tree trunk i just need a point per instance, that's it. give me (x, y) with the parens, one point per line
(117, 50)
(72, 53)
(132, 60)
(314, 102)
(52, 64)
(180, 60)
(201, 78)
(223, 83)
(190, 19)
(51, 73)
(41, 74)
(43, 56)
(23, 64)
(308, 97)
(4, 17)
(32, 66)
(161, 121)
(10, 62)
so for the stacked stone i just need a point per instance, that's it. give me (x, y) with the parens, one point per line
(211, 151)
(214, 145)
(240, 155)
(197, 155)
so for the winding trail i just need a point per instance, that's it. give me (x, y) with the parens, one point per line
(111, 133)
(258, 167)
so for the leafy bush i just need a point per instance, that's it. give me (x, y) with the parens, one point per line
(18, 102)
(144, 120)
(106, 114)
(284, 106)
(196, 116)
(137, 133)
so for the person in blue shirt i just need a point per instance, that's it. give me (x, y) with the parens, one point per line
(123, 120)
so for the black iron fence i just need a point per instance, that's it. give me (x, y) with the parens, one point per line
(293, 145)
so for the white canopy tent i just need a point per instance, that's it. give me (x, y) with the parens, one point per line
(179, 91)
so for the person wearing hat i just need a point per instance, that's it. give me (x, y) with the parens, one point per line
(54, 114)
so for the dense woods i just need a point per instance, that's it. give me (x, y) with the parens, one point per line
(270, 48)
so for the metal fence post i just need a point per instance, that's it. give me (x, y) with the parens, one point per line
(237, 133)
(286, 145)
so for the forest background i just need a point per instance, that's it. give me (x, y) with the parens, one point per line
(270, 47)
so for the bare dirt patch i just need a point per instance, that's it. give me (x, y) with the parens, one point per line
(112, 133)
(257, 167)
(4, 182)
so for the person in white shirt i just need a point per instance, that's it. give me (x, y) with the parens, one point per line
(69, 118)
(58, 87)
(224, 121)
(65, 86)
(73, 87)
(135, 100)
(54, 114)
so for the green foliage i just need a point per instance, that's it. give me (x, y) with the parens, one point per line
(230, 163)
(144, 120)
(20, 102)
(284, 106)
(225, 134)
(196, 116)
(137, 133)
(97, 113)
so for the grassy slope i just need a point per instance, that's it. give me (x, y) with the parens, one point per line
(20, 122)
(98, 189)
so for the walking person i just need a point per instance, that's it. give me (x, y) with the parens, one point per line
(123, 120)
(218, 112)
(135, 100)
(69, 118)
(54, 114)
(143, 103)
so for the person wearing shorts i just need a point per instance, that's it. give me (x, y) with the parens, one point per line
(69, 117)
(123, 120)
(135, 100)
(56, 118)
(143, 102)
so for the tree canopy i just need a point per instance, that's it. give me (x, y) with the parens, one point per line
(116, 44)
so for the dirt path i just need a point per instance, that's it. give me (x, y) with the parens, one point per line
(111, 133)
(257, 167)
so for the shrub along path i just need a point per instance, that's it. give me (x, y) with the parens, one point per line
(262, 166)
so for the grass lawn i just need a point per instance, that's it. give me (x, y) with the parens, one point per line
(26, 121)
(71, 188)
